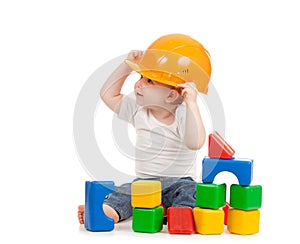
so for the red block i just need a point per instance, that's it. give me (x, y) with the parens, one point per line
(225, 209)
(165, 210)
(218, 147)
(180, 220)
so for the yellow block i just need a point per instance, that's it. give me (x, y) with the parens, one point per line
(243, 222)
(146, 194)
(209, 221)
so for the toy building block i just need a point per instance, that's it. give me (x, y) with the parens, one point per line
(243, 222)
(210, 195)
(245, 197)
(218, 147)
(209, 221)
(165, 219)
(180, 220)
(146, 194)
(165, 210)
(241, 168)
(225, 209)
(94, 217)
(147, 220)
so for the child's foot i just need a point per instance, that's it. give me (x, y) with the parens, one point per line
(80, 214)
(109, 211)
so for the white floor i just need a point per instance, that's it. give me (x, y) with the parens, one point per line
(124, 232)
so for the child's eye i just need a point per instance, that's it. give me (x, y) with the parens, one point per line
(150, 81)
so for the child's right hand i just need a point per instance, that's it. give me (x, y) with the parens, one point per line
(135, 54)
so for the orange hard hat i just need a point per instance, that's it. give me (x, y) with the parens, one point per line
(175, 59)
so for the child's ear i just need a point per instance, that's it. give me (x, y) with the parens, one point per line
(172, 96)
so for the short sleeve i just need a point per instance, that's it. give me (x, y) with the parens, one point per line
(181, 119)
(128, 109)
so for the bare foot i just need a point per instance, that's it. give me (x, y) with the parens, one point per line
(109, 211)
(80, 214)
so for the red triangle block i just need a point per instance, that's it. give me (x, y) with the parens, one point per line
(218, 147)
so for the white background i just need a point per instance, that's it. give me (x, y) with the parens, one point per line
(50, 48)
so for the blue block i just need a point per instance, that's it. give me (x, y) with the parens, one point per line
(94, 217)
(241, 168)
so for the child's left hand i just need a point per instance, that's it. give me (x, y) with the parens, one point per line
(189, 92)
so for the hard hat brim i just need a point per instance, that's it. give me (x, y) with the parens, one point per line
(155, 75)
(165, 77)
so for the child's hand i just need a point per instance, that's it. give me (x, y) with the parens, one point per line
(189, 92)
(135, 54)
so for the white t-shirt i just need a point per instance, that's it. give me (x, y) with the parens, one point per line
(159, 150)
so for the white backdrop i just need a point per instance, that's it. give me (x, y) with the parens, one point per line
(50, 48)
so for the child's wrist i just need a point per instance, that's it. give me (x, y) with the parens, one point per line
(192, 104)
(125, 66)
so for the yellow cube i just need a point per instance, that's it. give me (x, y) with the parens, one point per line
(146, 194)
(209, 221)
(243, 222)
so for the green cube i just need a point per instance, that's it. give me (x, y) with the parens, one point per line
(147, 220)
(245, 197)
(209, 195)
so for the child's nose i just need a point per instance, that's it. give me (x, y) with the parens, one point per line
(141, 83)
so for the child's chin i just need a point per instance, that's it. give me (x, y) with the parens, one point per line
(139, 103)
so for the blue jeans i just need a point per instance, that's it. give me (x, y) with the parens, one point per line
(176, 192)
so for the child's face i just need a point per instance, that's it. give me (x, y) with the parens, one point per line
(151, 93)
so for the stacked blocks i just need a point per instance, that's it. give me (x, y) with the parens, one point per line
(242, 214)
(94, 217)
(147, 213)
(211, 212)
(209, 218)
(180, 220)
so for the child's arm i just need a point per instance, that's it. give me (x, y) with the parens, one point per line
(111, 90)
(194, 136)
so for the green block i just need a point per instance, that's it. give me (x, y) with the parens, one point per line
(210, 195)
(245, 197)
(147, 220)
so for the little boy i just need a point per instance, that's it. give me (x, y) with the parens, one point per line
(169, 131)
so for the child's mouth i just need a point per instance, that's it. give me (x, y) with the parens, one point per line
(139, 93)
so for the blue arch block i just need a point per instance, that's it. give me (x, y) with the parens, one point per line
(94, 217)
(241, 168)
